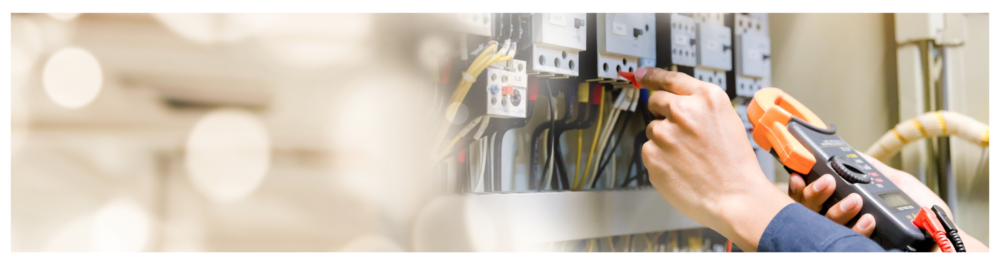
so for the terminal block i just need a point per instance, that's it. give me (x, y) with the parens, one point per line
(621, 42)
(557, 40)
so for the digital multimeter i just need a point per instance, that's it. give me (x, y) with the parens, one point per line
(804, 144)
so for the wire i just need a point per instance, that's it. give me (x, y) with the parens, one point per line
(611, 244)
(474, 70)
(593, 144)
(604, 134)
(649, 245)
(951, 231)
(465, 131)
(579, 154)
(610, 153)
(552, 111)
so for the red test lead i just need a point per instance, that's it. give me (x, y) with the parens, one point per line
(928, 221)
(630, 76)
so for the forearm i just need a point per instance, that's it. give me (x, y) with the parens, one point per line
(746, 216)
(971, 243)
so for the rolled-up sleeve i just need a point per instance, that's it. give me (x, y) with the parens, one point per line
(796, 228)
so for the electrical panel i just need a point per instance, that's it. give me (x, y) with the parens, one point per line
(683, 40)
(507, 91)
(622, 41)
(557, 40)
(717, 77)
(715, 48)
(474, 23)
(753, 54)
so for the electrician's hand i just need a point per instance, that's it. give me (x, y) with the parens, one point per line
(925, 198)
(700, 160)
(813, 195)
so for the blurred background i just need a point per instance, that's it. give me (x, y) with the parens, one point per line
(307, 132)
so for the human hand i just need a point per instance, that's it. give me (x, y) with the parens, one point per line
(813, 196)
(700, 159)
(924, 197)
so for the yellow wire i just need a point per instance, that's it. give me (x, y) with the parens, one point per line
(591, 243)
(649, 244)
(459, 94)
(628, 239)
(448, 147)
(593, 144)
(579, 154)
(611, 243)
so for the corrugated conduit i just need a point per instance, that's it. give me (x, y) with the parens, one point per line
(932, 124)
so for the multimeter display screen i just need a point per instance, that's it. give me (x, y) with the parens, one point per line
(895, 199)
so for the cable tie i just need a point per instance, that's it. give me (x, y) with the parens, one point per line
(469, 78)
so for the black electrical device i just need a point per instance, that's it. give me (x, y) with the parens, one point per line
(804, 144)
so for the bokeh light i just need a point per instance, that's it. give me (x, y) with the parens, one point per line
(228, 154)
(72, 77)
(122, 225)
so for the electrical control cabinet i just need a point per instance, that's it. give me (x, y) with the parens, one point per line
(622, 41)
(753, 54)
(630, 34)
(715, 48)
(561, 30)
(714, 76)
(507, 90)
(474, 23)
(683, 40)
(557, 40)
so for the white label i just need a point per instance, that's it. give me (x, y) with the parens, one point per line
(618, 29)
(557, 19)
(681, 40)
(712, 46)
(518, 79)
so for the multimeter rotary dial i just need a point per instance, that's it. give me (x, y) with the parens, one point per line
(849, 171)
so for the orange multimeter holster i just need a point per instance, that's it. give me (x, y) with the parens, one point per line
(804, 144)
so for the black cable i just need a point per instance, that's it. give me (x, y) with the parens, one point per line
(951, 231)
(640, 171)
(552, 111)
(607, 157)
(498, 158)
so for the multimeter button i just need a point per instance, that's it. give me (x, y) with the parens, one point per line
(849, 171)
(494, 89)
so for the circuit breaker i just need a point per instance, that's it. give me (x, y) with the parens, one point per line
(753, 55)
(507, 90)
(474, 23)
(715, 48)
(622, 41)
(713, 45)
(557, 41)
(683, 40)
(714, 76)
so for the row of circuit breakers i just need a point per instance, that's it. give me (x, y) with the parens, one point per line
(729, 50)
(568, 52)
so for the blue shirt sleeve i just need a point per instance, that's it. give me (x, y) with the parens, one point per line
(796, 228)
